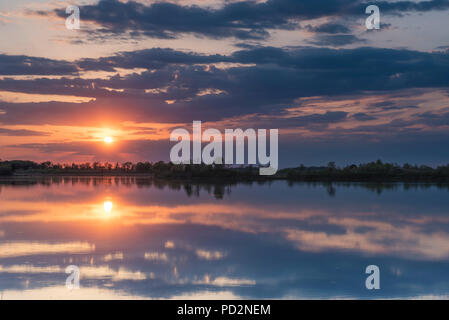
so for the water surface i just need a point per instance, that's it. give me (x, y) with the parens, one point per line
(139, 238)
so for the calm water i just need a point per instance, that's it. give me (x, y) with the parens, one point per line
(138, 238)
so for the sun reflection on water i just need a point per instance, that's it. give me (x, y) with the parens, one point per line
(108, 209)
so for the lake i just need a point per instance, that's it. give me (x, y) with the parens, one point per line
(134, 237)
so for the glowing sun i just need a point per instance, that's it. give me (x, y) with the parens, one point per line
(108, 140)
(108, 206)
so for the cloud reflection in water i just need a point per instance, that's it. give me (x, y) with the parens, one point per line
(166, 240)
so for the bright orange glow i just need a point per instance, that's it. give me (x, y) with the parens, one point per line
(108, 140)
(108, 206)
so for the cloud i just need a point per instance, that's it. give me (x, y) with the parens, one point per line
(154, 58)
(360, 116)
(337, 40)
(266, 80)
(25, 65)
(314, 120)
(141, 150)
(259, 87)
(242, 19)
(433, 119)
(330, 27)
(21, 133)
(391, 105)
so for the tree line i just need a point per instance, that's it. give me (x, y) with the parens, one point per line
(372, 171)
(159, 169)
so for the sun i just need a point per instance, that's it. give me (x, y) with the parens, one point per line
(108, 206)
(108, 140)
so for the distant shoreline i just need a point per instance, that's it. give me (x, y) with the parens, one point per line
(214, 179)
(377, 172)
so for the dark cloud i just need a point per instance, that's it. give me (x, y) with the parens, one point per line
(391, 105)
(329, 28)
(444, 48)
(24, 65)
(270, 80)
(433, 119)
(242, 20)
(363, 117)
(425, 69)
(336, 40)
(312, 120)
(154, 58)
(21, 132)
(401, 7)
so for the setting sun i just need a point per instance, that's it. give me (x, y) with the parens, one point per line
(108, 206)
(108, 140)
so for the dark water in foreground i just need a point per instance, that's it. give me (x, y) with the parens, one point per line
(138, 238)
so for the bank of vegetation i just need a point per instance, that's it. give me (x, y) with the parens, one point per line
(377, 171)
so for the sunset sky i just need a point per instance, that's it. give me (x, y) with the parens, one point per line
(138, 69)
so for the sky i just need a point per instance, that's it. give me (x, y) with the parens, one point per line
(136, 70)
